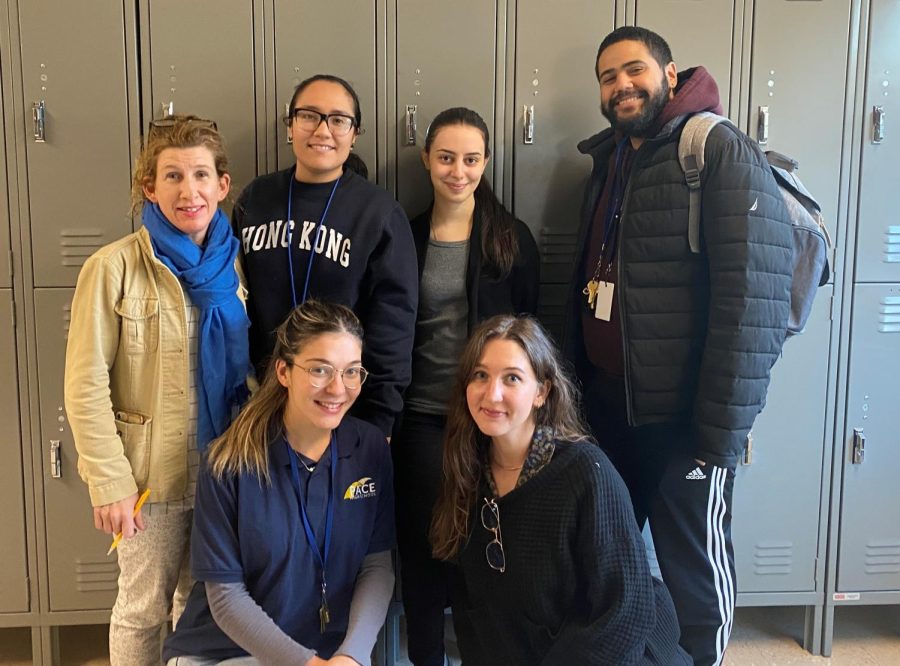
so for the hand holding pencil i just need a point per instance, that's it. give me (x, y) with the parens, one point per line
(135, 513)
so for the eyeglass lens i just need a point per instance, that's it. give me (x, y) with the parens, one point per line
(309, 120)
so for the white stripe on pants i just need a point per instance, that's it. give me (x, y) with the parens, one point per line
(718, 558)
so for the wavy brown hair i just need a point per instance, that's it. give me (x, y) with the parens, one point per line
(185, 131)
(244, 447)
(465, 446)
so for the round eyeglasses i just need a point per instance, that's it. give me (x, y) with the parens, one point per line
(308, 120)
(322, 375)
(490, 520)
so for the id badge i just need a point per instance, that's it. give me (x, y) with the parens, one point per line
(603, 308)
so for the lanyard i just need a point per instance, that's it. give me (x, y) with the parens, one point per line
(611, 219)
(321, 557)
(312, 249)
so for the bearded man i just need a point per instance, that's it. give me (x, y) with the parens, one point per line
(673, 347)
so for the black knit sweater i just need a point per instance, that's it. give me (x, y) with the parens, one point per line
(577, 587)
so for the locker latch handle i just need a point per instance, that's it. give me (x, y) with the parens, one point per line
(859, 446)
(762, 127)
(411, 124)
(748, 450)
(38, 115)
(878, 114)
(528, 127)
(288, 120)
(55, 459)
(168, 109)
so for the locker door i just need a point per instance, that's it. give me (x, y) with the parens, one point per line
(446, 56)
(699, 33)
(81, 576)
(869, 547)
(776, 495)
(79, 176)
(798, 76)
(878, 240)
(201, 62)
(315, 37)
(555, 84)
(14, 569)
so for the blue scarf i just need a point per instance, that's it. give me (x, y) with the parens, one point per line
(207, 274)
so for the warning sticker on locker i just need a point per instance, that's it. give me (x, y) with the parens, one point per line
(845, 596)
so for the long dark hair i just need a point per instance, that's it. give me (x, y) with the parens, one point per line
(498, 234)
(465, 446)
(244, 447)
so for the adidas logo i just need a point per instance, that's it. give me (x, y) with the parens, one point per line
(695, 475)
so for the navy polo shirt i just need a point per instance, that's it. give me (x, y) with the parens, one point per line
(248, 531)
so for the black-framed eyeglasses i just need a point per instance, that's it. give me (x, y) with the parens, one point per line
(165, 125)
(490, 519)
(339, 124)
(323, 374)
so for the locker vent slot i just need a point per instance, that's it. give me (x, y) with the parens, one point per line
(773, 558)
(96, 575)
(66, 320)
(892, 245)
(558, 254)
(889, 314)
(883, 557)
(76, 245)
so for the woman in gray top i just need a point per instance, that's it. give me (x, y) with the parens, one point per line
(475, 260)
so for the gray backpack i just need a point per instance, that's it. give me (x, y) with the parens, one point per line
(811, 240)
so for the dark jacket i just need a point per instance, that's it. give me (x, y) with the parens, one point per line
(577, 588)
(488, 295)
(365, 261)
(700, 331)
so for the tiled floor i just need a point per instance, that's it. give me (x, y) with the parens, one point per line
(864, 636)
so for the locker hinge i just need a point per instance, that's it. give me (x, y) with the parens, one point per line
(12, 316)
(12, 265)
(27, 593)
(831, 310)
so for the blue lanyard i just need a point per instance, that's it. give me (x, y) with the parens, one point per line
(321, 557)
(611, 220)
(312, 249)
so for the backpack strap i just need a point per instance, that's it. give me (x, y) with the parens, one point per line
(691, 157)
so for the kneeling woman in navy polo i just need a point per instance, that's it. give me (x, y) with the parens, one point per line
(293, 524)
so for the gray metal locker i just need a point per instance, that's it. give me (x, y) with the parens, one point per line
(81, 576)
(5, 247)
(432, 77)
(797, 95)
(777, 491)
(699, 33)
(76, 120)
(869, 546)
(13, 556)
(198, 58)
(343, 46)
(878, 236)
(556, 105)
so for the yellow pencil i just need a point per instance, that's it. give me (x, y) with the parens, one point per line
(137, 507)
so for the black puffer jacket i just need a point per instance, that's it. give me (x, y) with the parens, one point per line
(701, 331)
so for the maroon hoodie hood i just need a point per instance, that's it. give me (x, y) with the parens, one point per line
(696, 91)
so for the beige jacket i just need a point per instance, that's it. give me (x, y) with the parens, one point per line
(127, 373)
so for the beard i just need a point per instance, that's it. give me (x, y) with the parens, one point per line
(643, 122)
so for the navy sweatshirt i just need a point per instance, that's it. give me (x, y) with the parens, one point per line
(364, 258)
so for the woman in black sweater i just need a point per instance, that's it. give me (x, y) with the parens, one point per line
(551, 565)
(475, 260)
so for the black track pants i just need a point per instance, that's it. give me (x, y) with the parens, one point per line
(689, 509)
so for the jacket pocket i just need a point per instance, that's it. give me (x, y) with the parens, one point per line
(140, 324)
(134, 431)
